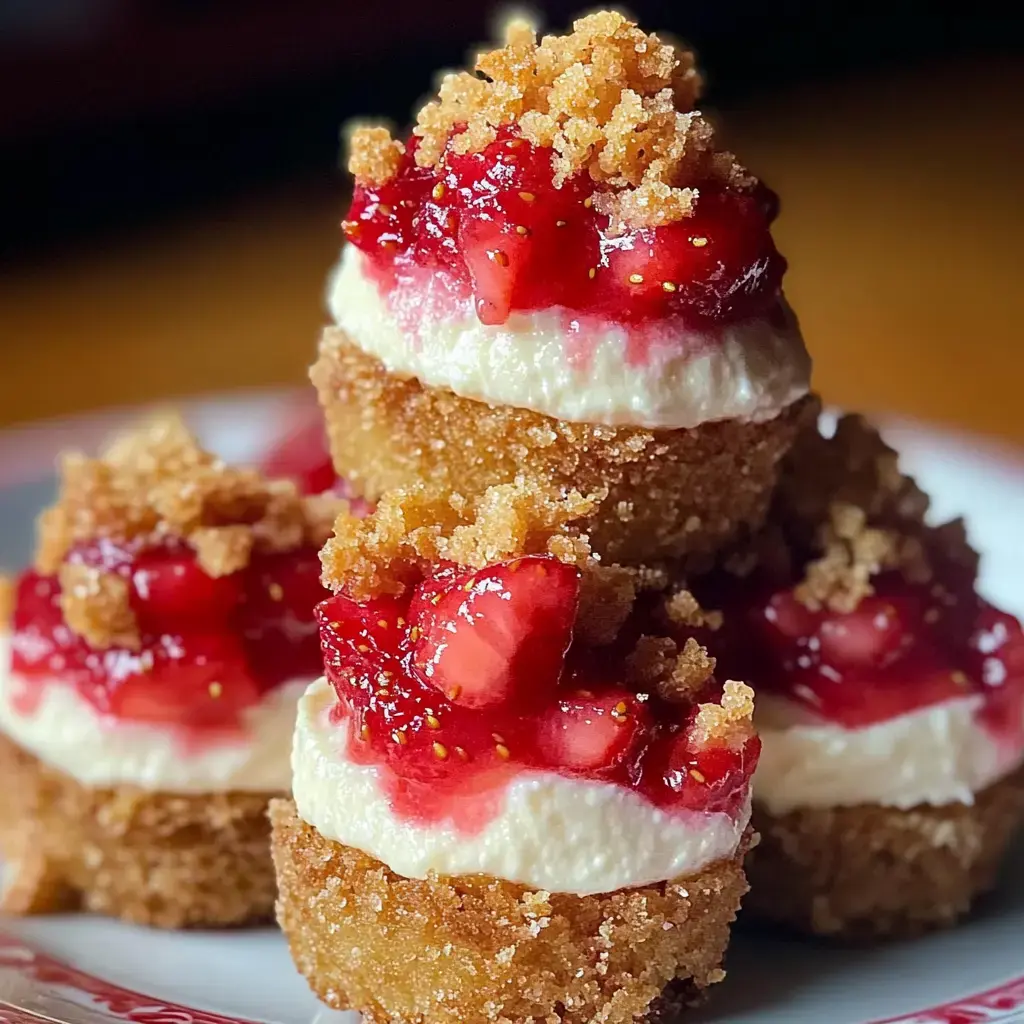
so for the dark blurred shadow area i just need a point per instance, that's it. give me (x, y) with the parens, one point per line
(120, 112)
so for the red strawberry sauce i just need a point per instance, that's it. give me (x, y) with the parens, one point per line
(210, 647)
(905, 647)
(472, 677)
(489, 231)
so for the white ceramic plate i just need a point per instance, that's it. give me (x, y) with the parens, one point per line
(974, 974)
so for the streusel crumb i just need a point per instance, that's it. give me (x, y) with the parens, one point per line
(608, 98)
(656, 663)
(844, 500)
(414, 528)
(729, 722)
(97, 606)
(684, 609)
(373, 155)
(154, 483)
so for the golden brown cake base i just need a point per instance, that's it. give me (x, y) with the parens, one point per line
(670, 493)
(150, 858)
(871, 872)
(479, 949)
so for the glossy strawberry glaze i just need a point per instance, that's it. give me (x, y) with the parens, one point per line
(490, 229)
(469, 680)
(210, 647)
(906, 647)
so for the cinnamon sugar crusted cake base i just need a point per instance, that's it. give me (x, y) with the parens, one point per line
(479, 949)
(665, 493)
(874, 872)
(149, 858)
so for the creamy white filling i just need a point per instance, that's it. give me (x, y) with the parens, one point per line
(936, 755)
(570, 369)
(551, 832)
(66, 732)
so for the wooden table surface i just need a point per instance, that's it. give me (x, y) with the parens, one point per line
(902, 221)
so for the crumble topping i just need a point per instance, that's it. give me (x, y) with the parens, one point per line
(414, 528)
(97, 606)
(845, 498)
(729, 723)
(373, 155)
(676, 676)
(154, 483)
(608, 98)
(683, 609)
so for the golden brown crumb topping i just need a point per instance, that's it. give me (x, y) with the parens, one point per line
(608, 98)
(683, 609)
(677, 676)
(155, 483)
(415, 528)
(845, 498)
(97, 606)
(373, 155)
(412, 530)
(729, 722)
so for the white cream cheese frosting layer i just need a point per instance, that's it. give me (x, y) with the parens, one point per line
(573, 369)
(935, 755)
(551, 832)
(66, 732)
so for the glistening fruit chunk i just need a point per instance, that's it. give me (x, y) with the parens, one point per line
(500, 635)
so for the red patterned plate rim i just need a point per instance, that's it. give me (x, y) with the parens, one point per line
(50, 977)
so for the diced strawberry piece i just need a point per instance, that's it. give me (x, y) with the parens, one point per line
(359, 627)
(876, 633)
(786, 616)
(200, 686)
(501, 635)
(496, 257)
(300, 454)
(428, 593)
(170, 589)
(710, 776)
(586, 733)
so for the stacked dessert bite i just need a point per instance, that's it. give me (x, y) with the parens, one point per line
(150, 672)
(559, 276)
(890, 698)
(515, 797)
(562, 361)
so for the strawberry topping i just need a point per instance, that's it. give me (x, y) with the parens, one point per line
(905, 647)
(496, 229)
(472, 676)
(499, 636)
(209, 647)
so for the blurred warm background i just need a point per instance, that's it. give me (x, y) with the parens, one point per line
(170, 194)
